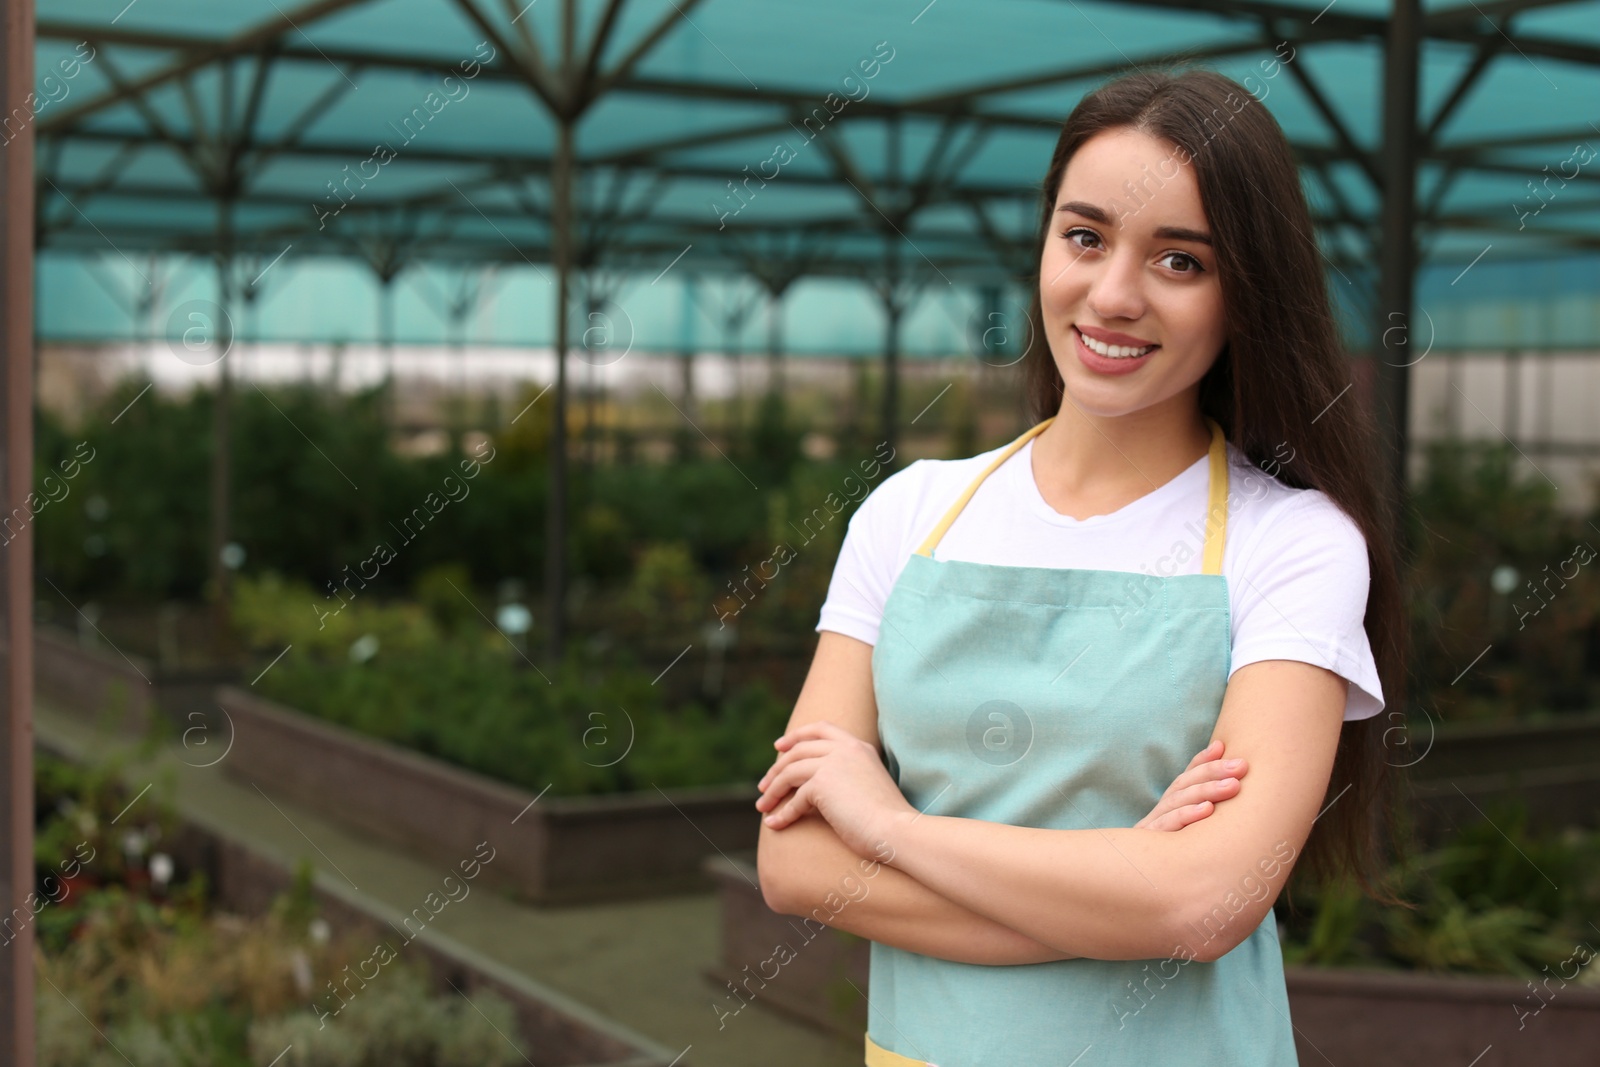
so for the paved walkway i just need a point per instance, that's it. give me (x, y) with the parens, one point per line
(640, 964)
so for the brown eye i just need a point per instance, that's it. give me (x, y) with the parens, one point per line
(1194, 264)
(1079, 229)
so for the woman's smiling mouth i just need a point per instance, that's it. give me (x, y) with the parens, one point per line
(1112, 351)
(1101, 347)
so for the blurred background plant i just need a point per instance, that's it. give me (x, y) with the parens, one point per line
(135, 966)
(90, 830)
(467, 696)
(660, 550)
(1485, 536)
(1494, 899)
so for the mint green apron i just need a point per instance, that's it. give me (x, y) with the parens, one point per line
(1061, 698)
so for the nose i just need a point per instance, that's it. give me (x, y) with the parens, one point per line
(1117, 288)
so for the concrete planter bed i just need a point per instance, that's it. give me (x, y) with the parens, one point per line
(1552, 767)
(102, 685)
(562, 1032)
(1341, 1015)
(1554, 797)
(553, 850)
(1486, 748)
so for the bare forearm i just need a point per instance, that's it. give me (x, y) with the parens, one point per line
(825, 881)
(1109, 907)
(1109, 894)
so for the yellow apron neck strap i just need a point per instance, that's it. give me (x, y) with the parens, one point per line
(926, 548)
(1216, 504)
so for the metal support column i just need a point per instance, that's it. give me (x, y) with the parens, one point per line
(775, 338)
(555, 572)
(221, 433)
(893, 309)
(390, 396)
(892, 295)
(1397, 258)
(16, 574)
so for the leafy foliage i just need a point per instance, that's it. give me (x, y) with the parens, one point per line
(1472, 515)
(473, 700)
(160, 979)
(1495, 899)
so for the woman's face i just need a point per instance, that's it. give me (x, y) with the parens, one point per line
(1127, 261)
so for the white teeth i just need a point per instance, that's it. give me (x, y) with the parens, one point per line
(1112, 351)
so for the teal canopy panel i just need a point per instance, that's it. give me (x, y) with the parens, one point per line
(827, 152)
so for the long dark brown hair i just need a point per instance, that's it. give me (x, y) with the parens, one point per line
(1279, 381)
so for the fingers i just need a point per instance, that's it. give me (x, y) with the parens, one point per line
(821, 728)
(813, 739)
(1221, 789)
(790, 810)
(1209, 771)
(1210, 752)
(791, 777)
(1183, 804)
(801, 750)
(1177, 818)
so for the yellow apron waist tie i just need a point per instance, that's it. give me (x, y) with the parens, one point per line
(878, 1056)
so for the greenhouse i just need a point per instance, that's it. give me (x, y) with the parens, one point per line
(438, 431)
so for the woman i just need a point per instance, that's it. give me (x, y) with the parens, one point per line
(1187, 545)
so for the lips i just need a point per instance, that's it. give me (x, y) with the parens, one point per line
(1112, 337)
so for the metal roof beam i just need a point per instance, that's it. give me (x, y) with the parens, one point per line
(934, 104)
(1563, 237)
(1343, 213)
(297, 128)
(530, 43)
(189, 149)
(1335, 23)
(444, 197)
(1473, 13)
(597, 46)
(245, 41)
(623, 69)
(529, 67)
(1471, 149)
(1455, 25)
(1482, 163)
(252, 108)
(507, 168)
(1546, 47)
(1471, 156)
(105, 180)
(667, 227)
(1487, 49)
(1353, 151)
(961, 99)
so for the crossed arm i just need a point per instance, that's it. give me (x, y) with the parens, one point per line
(990, 893)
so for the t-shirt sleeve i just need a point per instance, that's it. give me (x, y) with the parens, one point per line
(866, 570)
(1304, 595)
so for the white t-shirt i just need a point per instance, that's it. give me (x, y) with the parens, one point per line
(1296, 564)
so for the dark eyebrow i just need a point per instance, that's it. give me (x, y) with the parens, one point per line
(1171, 233)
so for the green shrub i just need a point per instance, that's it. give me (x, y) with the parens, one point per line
(1472, 513)
(394, 1023)
(155, 978)
(1495, 899)
(472, 700)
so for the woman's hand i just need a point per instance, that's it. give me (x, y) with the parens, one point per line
(1195, 792)
(825, 768)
